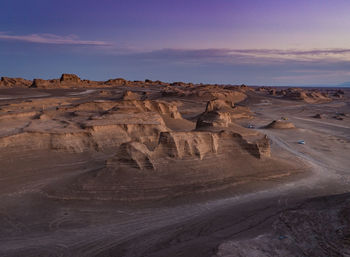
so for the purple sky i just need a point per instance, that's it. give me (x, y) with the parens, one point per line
(270, 42)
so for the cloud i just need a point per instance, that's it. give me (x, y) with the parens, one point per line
(335, 54)
(250, 55)
(294, 51)
(52, 39)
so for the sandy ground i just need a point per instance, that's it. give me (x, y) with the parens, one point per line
(208, 224)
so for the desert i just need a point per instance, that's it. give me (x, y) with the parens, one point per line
(162, 128)
(149, 168)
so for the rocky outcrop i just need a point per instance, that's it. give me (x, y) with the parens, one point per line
(219, 104)
(168, 109)
(182, 145)
(97, 125)
(309, 96)
(204, 92)
(6, 82)
(66, 81)
(42, 83)
(70, 78)
(259, 148)
(132, 154)
(116, 82)
(164, 108)
(193, 145)
(221, 113)
(207, 92)
(73, 81)
(213, 119)
(279, 124)
(297, 94)
(129, 95)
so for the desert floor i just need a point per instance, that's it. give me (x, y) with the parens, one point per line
(276, 215)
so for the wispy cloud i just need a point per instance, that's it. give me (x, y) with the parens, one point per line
(251, 55)
(295, 51)
(334, 54)
(52, 39)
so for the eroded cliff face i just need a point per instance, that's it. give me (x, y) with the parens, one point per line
(194, 145)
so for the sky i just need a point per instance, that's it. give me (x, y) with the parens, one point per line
(256, 42)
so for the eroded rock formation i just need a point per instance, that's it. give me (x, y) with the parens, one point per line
(153, 146)
(280, 124)
(221, 113)
(298, 94)
(6, 82)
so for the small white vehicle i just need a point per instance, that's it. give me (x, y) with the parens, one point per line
(301, 142)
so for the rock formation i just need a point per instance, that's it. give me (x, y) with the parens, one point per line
(153, 146)
(70, 78)
(129, 95)
(221, 113)
(279, 124)
(42, 83)
(298, 94)
(116, 82)
(6, 82)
